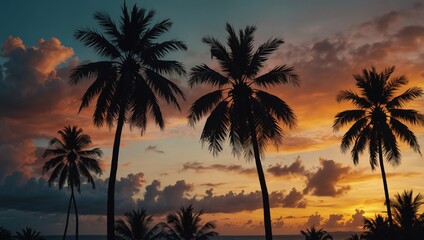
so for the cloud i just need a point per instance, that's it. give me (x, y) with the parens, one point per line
(324, 182)
(357, 219)
(294, 200)
(314, 220)
(199, 167)
(278, 222)
(154, 148)
(296, 168)
(334, 221)
(17, 189)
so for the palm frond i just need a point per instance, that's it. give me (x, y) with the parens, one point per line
(406, 135)
(216, 128)
(358, 101)
(261, 55)
(203, 105)
(277, 107)
(345, 117)
(202, 74)
(165, 66)
(91, 38)
(277, 76)
(163, 87)
(409, 95)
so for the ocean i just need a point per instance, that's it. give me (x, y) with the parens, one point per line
(336, 236)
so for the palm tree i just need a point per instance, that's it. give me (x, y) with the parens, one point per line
(136, 226)
(5, 234)
(249, 116)
(186, 225)
(406, 215)
(316, 234)
(129, 84)
(377, 228)
(29, 234)
(70, 159)
(354, 237)
(379, 120)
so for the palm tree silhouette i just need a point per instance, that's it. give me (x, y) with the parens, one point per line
(69, 160)
(129, 84)
(5, 234)
(377, 228)
(136, 226)
(316, 234)
(406, 215)
(29, 234)
(186, 225)
(248, 115)
(379, 120)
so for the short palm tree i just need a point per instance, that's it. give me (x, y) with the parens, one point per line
(406, 216)
(29, 234)
(377, 228)
(69, 159)
(5, 234)
(355, 237)
(186, 225)
(130, 83)
(240, 109)
(379, 120)
(316, 234)
(137, 226)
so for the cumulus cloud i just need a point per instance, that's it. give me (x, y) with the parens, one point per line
(17, 189)
(325, 181)
(314, 220)
(296, 168)
(334, 221)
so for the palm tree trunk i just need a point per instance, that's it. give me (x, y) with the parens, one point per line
(112, 177)
(261, 176)
(76, 213)
(67, 218)
(386, 189)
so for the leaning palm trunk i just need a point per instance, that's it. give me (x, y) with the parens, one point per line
(386, 189)
(112, 178)
(76, 212)
(261, 176)
(67, 218)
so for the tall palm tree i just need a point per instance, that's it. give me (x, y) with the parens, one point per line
(69, 159)
(377, 228)
(137, 226)
(186, 225)
(29, 234)
(316, 234)
(129, 84)
(406, 215)
(240, 108)
(379, 120)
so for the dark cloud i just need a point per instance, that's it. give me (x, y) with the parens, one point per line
(296, 168)
(357, 219)
(334, 221)
(314, 220)
(382, 23)
(278, 222)
(154, 148)
(212, 185)
(324, 182)
(294, 199)
(16, 189)
(199, 167)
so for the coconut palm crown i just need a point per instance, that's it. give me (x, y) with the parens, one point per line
(379, 120)
(130, 82)
(136, 225)
(186, 224)
(240, 109)
(316, 234)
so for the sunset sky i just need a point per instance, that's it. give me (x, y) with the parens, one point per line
(310, 181)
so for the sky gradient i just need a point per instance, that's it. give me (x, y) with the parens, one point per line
(310, 181)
